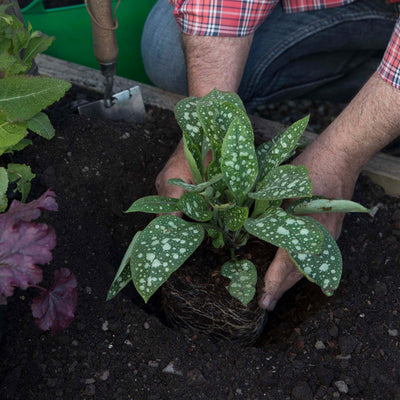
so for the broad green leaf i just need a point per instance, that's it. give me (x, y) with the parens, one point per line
(328, 206)
(186, 115)
(22, 174)
(16, 147)
(123, 276)
(6, 60)
(194, 158)
(41, 125)
(283, 145)
(22, 97)
(3, 180)
(11, 132)
(284, 182)
(295, 234)
(195, 207)
(164, 246)
(3, 189)
(243, 276)
(213, 170)
(324, 269)
(194, 188)
(235, 217)
(154, 204)
(35, 46)
(239, 162)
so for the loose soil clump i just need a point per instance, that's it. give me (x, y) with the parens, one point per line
(313, 347)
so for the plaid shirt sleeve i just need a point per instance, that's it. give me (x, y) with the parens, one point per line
(389, 69)
(221, 17)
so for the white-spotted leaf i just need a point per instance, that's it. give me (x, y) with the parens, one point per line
(228, 113)
(164, 246)
(243, 276)
(235, 217)
(186, 115)
(284, 182)
(328, 206)
(295, 234)
(123, 276)
(195, 207)
(154, 204)
(239, 162)
(324, 269)
(194, 188)
(283, 145)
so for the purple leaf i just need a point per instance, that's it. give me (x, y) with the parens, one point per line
(23, 244)
(54, 309)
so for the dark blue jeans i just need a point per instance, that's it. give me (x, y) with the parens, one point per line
(325, 54)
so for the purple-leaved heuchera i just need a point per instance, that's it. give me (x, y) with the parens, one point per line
(23, 245)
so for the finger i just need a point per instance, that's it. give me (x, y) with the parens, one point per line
(282, 274)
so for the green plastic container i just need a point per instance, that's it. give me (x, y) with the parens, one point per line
(72, 28)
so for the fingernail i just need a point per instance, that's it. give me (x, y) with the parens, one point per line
(268, 302)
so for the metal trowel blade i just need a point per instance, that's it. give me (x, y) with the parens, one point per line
(126, 106)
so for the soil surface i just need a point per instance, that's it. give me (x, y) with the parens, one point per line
(314, 347)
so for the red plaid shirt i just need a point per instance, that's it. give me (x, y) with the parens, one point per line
(242, 17)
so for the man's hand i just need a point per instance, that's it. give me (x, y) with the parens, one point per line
(334, 160)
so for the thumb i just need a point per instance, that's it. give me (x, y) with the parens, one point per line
(282, 274)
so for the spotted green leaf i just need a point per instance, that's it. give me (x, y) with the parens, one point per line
(239, 162)
(195, 207)
(282, 145)
(194, 188)
(284, 182)
(154, 204)
(243, 276)
(163, 246)
(295, 234)
(235, 217)
(41, 125)
(222, 97)
(186, 115)
(262, 158)
(328, 206)
(228, 112)
(123, 276)
(324, 269)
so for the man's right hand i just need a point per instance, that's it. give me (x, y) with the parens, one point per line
(176, 167)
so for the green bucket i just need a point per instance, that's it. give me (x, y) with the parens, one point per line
(72, 28)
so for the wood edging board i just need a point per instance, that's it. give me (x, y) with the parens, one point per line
(382, 169)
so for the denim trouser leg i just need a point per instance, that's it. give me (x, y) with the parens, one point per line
(325, 54)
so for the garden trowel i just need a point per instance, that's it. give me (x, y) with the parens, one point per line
(126, 105)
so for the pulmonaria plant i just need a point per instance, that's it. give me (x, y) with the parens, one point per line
(239, 193)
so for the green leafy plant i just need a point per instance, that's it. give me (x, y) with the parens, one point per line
(22, 98)
(239, 193)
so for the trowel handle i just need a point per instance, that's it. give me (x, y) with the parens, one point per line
(104, 41)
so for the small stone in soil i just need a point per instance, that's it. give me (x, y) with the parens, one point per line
(342, 386)
(146, 325)
(393, 332)
(347, 344)
(104, 375)
(170, 369)
(319, 345)
(153, 364)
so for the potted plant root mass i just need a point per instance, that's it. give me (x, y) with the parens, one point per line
(236, 202)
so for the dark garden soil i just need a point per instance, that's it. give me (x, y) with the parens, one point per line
(343, 347)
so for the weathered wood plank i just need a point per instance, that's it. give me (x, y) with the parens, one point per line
(382, 169)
